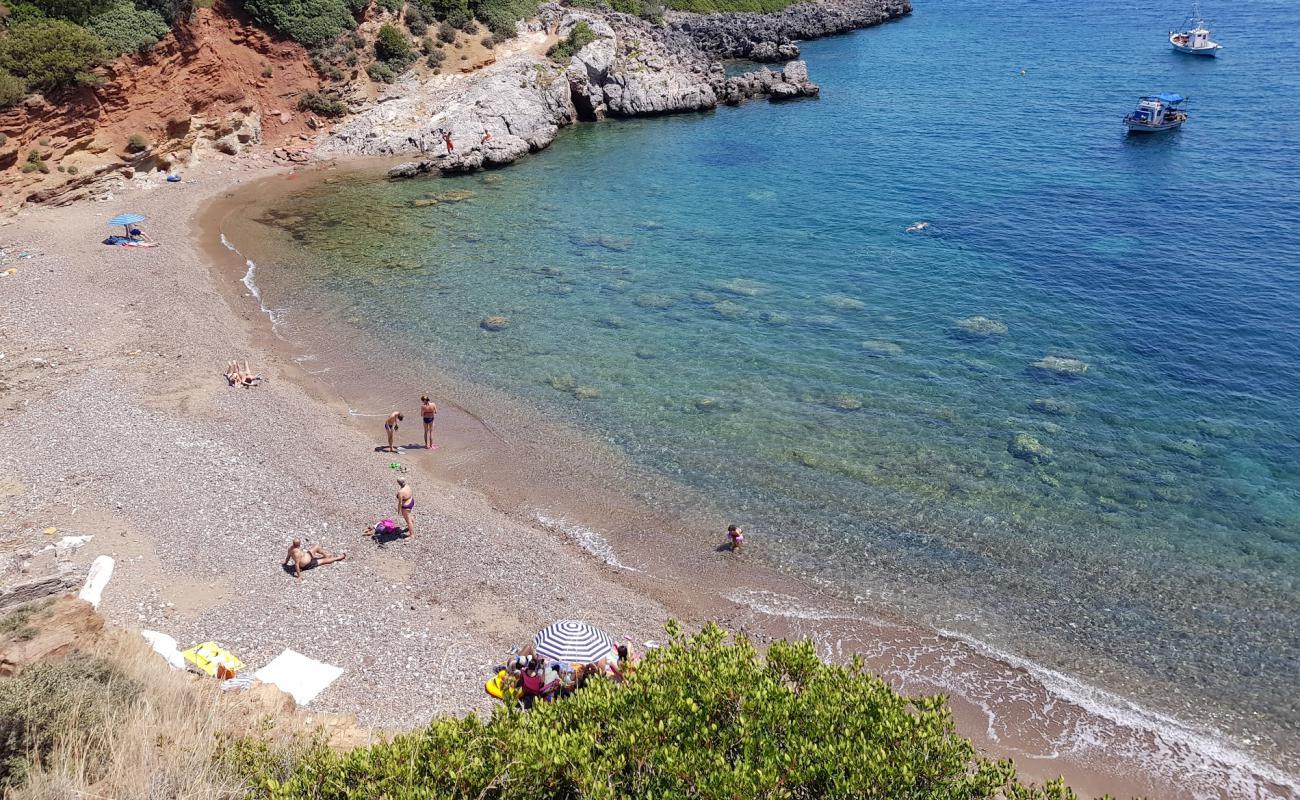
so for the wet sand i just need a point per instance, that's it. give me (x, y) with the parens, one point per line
(195, 487)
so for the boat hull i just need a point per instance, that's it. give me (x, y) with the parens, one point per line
(1141, 127)
(1198, 51)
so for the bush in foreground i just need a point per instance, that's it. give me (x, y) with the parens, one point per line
(391, 45)
(578, 38)
(700, 718)
(12, 88)
(309, 22)
(321, 103)
(127, 29)
(51, 53)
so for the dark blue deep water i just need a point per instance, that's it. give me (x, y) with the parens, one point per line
(731, 297)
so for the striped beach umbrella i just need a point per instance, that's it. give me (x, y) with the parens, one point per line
(128, 219)
(574, 642)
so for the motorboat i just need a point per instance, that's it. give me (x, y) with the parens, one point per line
(1156, 112)
(1194, 38)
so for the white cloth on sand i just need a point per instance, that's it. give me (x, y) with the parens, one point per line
(166, 647)
(298, 675)
(93, 589)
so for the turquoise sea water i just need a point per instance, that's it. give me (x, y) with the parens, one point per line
(732, 299)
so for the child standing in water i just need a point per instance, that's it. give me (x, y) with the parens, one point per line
(428, 411)
(735, 535)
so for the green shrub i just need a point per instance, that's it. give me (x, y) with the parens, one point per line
(172, 11)
(322, 104)
(488, 41)
(431, 47)
(447, 32)
(500, 16)
(4, 140)
(51, 53)
(391, 6)
(137, 143)
(380, 72)
(700, 718)
(578, 38)
(47, 702)
(268, 71)
(12, 89)
(415, 21)
(73, 170)
(127, 29)
(310, 22)
(392, 45)
(73, 10)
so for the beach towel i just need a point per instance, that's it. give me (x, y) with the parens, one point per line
(101, 569)
(299, 676)
(166, 647)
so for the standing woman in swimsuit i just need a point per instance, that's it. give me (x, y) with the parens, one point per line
(390, 427)
(428, 411)
(405, 505)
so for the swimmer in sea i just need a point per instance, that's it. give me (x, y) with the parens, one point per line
(390, 427)
(405, 505)
(428, 411)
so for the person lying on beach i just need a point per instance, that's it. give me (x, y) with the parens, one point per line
(405, 505)
(736, 536)
(301, 558)
(241, 377)
(428, 412)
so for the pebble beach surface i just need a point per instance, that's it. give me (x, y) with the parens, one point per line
(117, 423)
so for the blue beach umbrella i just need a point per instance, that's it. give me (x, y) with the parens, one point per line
(574, 642)
(128, 220)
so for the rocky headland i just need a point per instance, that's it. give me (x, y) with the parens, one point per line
(631, 68)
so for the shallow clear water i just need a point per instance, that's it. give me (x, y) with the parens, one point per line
(731, 297)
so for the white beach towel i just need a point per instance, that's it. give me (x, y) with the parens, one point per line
(93, 589)
(298, 675)
(166, 647)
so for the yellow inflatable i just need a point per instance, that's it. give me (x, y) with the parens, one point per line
(496, 686)
(208, 656)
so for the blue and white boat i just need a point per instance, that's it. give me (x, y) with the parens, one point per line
(1156, 112)
(1194, 38)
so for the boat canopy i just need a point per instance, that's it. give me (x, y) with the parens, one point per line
(1166, 97)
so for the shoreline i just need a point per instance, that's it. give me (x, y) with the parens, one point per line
(767, 603)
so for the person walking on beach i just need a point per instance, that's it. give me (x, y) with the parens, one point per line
(428, 412)
(405, 505)
(301, 558)
(390, 427)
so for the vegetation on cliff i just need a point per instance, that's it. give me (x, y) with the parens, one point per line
(700, 718)
(578, 38)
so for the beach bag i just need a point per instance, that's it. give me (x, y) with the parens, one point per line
(385, 526)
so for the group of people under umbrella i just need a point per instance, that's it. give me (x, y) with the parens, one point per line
(559, 661)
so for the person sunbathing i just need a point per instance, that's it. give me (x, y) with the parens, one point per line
(241, 377)
(301, 558)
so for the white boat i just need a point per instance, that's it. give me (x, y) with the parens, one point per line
(1194, 38)
(1156, 112)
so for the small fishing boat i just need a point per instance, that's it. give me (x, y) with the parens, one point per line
(1156, 112)
(1194, 38)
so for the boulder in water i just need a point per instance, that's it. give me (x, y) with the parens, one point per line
(656, 300)
(1063, 367)
(880, 347)
(980, 327)
(1027, 448)
(586, 393)
(844, 402)
(843, 303)
(495, 323)
(728, 310)
(1050, 405)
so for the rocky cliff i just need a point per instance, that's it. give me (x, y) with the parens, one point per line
(632, 68)
(771, 37)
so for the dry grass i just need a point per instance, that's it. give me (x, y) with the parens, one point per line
(137, 729)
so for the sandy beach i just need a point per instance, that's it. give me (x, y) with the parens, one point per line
(117, 423)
